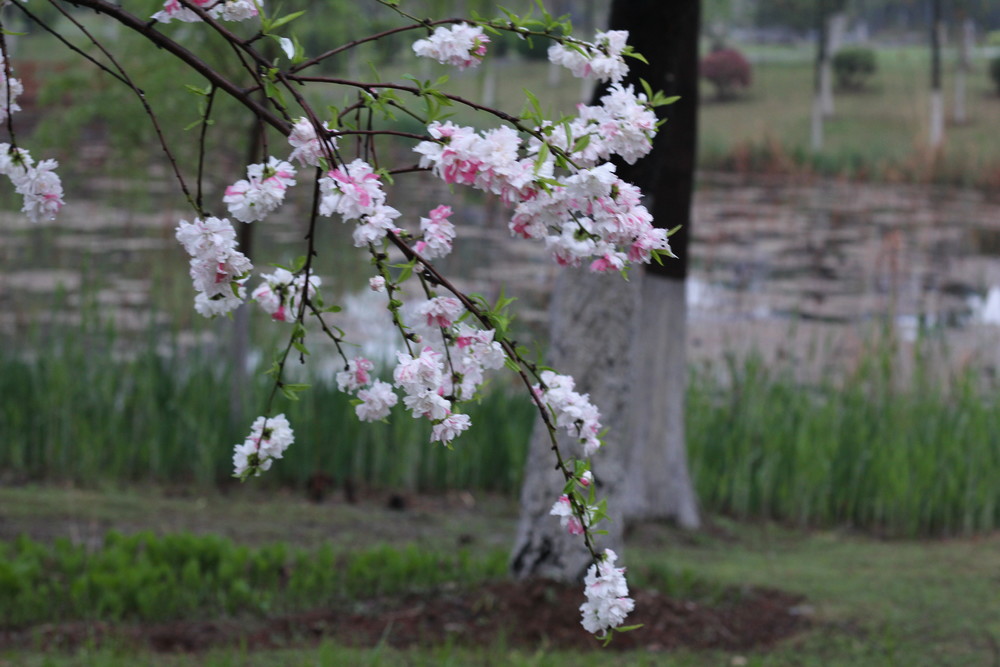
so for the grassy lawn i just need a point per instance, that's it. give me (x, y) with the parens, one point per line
(872, 601)
(880, 131)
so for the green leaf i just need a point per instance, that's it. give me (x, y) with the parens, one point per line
(534, 101)
(287, 18)
(543, 155)
(274, 92)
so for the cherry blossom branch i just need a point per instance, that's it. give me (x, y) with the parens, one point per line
(370, 87)
(72, 47)
(142, 100)
(587, 215)
(201, 145)
(371, 38)
(511, 350)
(7, 86)
(146, 29)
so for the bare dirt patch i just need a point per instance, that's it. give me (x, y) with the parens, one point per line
(531, 614)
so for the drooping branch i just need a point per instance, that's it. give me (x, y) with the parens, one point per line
(147, 29)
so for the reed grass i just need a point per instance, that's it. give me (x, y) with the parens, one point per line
(864, 450)
(73, 412)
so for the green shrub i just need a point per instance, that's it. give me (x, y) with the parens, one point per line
(853, 67)
(146, 578)
(995, 72)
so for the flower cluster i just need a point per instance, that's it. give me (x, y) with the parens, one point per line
(622, 124)
(218, 269)
(441, 311)
(571, 411)
(38, 184)
(563, 508)
(470, 351)
(269, 438)
(375, 400)
(354, 191)
(607, 602)
(593, 215)
(10, 89)
(590, 215)
(308, 149)
(281, 292)
(490, 162)
(438, 234)
(462, 45)
(261, 192)
(449, 368)
(601, 60)
(227, 10)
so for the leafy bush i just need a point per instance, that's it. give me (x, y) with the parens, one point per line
(142, 577)
(853, 67)
(995, 72)
(728, 70)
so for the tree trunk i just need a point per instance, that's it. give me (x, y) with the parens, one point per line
(835, 26)
(820, 77)
(961, 71)
(613, 344)
(591, 317)
(659, 486)
(937, 94)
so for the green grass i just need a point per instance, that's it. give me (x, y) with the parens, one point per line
(880, 133)
(80, 416)
(145, 578)
(872, 601)
(866, 450)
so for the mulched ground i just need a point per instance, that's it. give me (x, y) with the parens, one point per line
(528, 614)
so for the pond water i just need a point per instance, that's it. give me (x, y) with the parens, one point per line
(790, 269)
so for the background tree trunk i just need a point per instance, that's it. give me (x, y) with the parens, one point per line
(659, 486)
(936, 136)
(835, 26)
(966, 38)
(591, 320)
(820, 81)
(629, 358)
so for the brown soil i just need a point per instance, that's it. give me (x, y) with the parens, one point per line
(529, 614)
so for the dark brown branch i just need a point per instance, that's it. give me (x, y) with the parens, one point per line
(370, 38)
(153, 119)
(148, 31)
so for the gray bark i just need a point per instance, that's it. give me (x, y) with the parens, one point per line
(836, 25)
(489, 74)
(659, 486)
(591, 324)
(816, 126)
(964, 66)
(936, 135)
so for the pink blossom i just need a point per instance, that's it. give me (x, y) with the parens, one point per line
(308, 149)
(352, 190)
(462, 45)
(441, 311)
(263, 191)
(450, 428)
(376, 401)
(356, 375)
